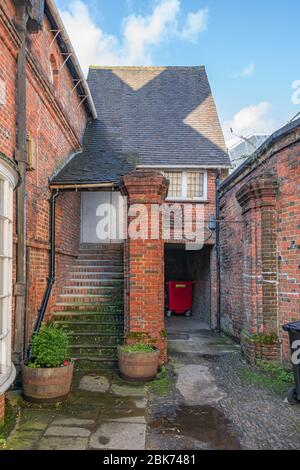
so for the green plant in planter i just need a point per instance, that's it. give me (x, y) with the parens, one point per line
(50, 348)
(138, 348)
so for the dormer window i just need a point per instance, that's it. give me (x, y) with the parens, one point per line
(187, 185)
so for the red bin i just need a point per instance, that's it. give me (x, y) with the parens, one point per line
(180, 297)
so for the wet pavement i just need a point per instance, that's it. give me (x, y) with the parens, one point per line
(102, 412)
(207, 398)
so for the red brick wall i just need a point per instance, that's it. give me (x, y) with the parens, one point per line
(56, 121)
(2, 407)
(144, 267)
(260, 256)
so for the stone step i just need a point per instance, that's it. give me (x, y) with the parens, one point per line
(87, 291)
(73, 326)
(74, 281)
(100, 256)
(93, 364)
(94, 351)
(95, 340)
(97, 269)
(99, 262)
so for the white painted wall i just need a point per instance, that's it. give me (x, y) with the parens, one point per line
(103, 215)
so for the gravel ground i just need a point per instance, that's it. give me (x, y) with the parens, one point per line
(261, 415)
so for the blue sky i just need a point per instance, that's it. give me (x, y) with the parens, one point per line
(249, 48)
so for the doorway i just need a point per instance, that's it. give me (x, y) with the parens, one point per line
(103, 217)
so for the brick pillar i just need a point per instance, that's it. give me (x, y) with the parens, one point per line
(257, 199)
(2, 408)
(144, 263)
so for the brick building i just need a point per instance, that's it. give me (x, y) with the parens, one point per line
(44, 108)
(260, 245)
(143, 137)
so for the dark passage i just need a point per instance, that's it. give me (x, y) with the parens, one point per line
(181, 264)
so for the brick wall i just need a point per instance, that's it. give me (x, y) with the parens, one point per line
(144, 267)
(56, 122)
(260, 244)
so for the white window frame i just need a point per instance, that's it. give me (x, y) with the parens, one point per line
(183, 196)
(8, 179)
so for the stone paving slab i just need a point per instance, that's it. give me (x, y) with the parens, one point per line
(63, 443)
(94, 383)
(68, 421)
(119, 436)
(67, 431)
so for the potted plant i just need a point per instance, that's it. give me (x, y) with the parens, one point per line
(138, 362)
(48, 373)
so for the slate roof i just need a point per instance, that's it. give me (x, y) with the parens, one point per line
(148, 116)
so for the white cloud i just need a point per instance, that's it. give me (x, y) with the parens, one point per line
(249, 120)
(196, 23)
(140, 35)
(246, 72)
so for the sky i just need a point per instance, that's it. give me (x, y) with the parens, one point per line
(249, 48)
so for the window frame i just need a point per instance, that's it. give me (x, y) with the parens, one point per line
(184, 188)
(8, 181)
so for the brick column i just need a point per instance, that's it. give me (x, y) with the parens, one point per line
(144, 263)
(2, 408)
(257, 199)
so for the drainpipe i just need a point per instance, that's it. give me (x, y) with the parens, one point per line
(218, 253)
(21, 159)
(52, 266)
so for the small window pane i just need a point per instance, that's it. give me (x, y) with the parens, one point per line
(175, 187)
(195, 184)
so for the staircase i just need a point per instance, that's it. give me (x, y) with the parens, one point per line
(90, 306)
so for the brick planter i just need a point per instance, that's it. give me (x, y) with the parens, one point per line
(265, 352)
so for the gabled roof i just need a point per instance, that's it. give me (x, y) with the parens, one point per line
(148, 116)
(165, 115)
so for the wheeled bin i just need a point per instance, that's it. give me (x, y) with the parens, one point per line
(180, 298)
(293, 330)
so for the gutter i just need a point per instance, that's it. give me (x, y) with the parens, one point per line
(52, 269)
(282, 132)
(218, 253)
(63, 36)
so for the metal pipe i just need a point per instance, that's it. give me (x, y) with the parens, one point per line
(218, 254)
(52, 267)
(21, 159)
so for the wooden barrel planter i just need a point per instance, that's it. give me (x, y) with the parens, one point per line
(47, 384)
(138, 366)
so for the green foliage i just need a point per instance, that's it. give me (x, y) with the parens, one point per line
(264, 339)
(163, 382)
(50, 347)
(138, 348)
(9, 423)
(276, 370)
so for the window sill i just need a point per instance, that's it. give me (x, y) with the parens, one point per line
(181, 199)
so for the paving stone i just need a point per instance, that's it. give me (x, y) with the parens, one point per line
(94, 383)
(121, 436)
(23, 440)
(34, 420)
(129, 419)
(69, 421)
(128, 390)
(140, 403)
(63, 443)
(67, 431)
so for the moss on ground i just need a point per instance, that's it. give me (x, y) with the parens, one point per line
(271, 375)
(9, 422)
(163, 382)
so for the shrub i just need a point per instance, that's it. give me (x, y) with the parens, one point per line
(138, 348)
(50, 347)
(264, 339)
